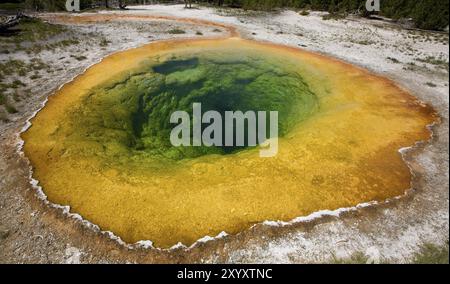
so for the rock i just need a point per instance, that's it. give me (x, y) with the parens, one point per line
(73, 255)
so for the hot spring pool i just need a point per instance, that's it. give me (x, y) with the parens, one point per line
(101, 144)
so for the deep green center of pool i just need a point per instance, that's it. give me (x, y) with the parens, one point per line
(133, 112)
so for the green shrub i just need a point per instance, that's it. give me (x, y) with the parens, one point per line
(2, 99)
(176, 32)
(304, 13)
(10, 109)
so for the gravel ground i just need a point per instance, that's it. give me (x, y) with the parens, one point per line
(33, 232)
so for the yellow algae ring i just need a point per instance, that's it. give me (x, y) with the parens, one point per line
(101, 144)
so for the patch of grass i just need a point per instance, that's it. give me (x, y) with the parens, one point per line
(394, 60)
(411, 66)
(364, 42)
(35, 48)
(434, 61)
(176, 32)
(33, 29)
(427, 254)
(304, 13)
(22, 72)
(17, 83)
(199, 33)
(79, 57)
(10, 109)
(334, 16)
(236, 12)
(35, 76)
(356, 258)
(60, 44)
(2, 99)
(431, 84)
(11, 67)
(21, 68)
(104, 42)
(33, 35)
(217, 31)
(432, 254)
(37, 64)
(68, 42)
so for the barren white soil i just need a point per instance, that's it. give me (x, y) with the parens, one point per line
(32, 232)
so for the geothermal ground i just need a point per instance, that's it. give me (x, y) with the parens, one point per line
(32, 231)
